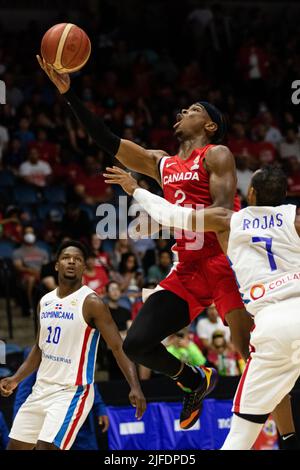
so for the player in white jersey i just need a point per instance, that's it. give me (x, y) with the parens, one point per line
(262, 243)
(71, 318)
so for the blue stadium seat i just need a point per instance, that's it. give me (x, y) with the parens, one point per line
(90, 210)
(26, 195)
(6, 249)
(44, 246)
(55, 194)
(57, 211)
(7, 178)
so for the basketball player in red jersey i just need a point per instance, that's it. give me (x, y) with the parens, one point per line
(202, 172)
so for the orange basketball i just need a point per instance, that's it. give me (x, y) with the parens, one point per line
(66, 46)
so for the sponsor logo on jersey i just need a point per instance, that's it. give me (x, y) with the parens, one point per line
(188, 176)
(170, 164)
(74, 302)
(257, 291)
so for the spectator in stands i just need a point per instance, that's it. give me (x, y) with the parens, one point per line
(95, 276)
(265, 152)
(293, 192)
(47, 150)
(151, 255)
(4, 139)
(244, 175)
(101, 257)
(76, 223)
(23, 133)
(273, 134)
(13, 155)
(121, 247)
(11, 225)
(130, 276)
(14, 95)
(207, 326)
(28, 261)
(181, 346)
(122, 318)
(90, 186)
(35, 171)
(238, 143)
(290, 146)
(121, 315)
(223, 357)
(158, 272)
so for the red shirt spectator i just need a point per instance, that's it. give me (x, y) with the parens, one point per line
(95, 277)
(90, 185)
(47, 150)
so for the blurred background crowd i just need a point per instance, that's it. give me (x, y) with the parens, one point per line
(149, 60)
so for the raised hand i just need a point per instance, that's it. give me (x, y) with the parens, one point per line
(116, 175)
(60, 80)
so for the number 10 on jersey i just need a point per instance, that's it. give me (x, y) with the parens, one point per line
(56, 335)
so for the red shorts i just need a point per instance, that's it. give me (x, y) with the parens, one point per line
(205, 281)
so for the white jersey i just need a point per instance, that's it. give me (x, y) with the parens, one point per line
(68, 343)
(264, 252)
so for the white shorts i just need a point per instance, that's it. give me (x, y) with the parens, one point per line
(274, 364)
(53, 413)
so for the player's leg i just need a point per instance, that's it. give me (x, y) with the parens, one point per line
(27, 424)
(269, 375)
(163, 314)
(243, 433)
(13, 444)
(66, 412)
(41, 445)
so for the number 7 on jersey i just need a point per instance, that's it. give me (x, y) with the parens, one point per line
(268, 242)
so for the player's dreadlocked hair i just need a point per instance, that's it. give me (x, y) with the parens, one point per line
(270, 184)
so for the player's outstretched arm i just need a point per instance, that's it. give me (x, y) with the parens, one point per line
(212, 219)
(31, 364)
(131, 155)
(97, 313)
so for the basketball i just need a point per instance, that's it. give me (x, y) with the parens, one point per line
(66, 47)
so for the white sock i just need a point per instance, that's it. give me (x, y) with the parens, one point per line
(242, 434)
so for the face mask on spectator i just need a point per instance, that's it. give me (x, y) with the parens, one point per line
(29, 238)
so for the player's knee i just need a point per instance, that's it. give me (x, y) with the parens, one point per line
(133, 346)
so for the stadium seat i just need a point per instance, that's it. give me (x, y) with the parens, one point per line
(7, 179)
(6, 249)
(55, 211)
(26, 195)
(55, 194)
(90, 210)
(44, 246)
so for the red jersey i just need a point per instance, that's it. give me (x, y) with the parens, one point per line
(186, 182)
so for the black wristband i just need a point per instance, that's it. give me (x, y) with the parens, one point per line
(102, 135)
